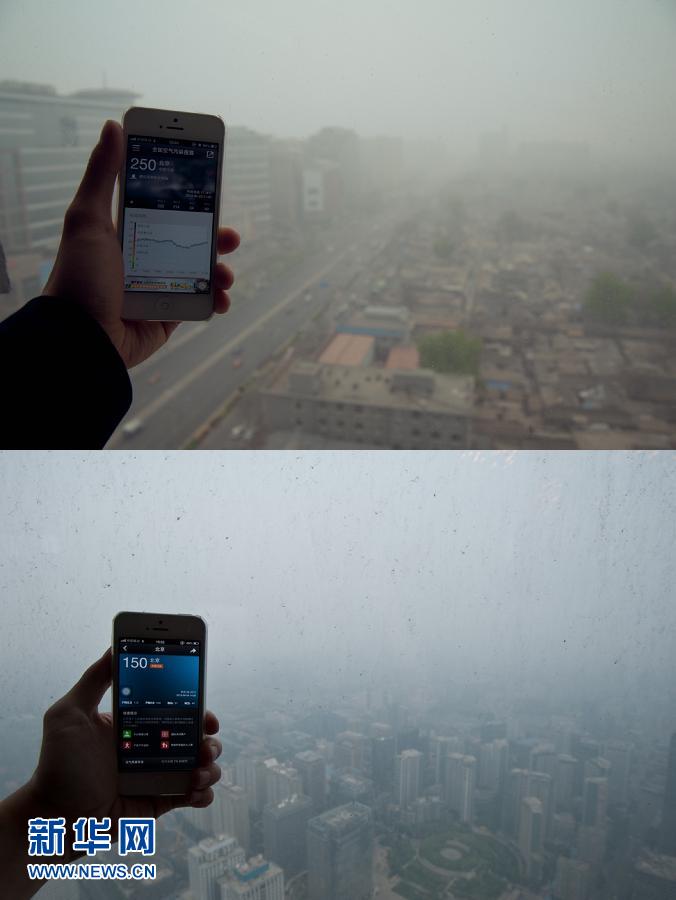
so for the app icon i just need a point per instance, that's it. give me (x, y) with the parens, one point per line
(165, 734)
(126, 745)
(164, 745)
(127, 733)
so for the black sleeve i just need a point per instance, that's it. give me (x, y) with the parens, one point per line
(62, 382)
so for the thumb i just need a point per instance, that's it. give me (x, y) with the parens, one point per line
(98, 182)
(89, 690)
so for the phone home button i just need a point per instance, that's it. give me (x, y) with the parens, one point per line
(164, 306)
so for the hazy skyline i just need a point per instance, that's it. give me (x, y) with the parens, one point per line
(524, 564)
(603, 72)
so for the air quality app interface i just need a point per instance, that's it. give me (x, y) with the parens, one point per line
(158, 705)
(170, 192)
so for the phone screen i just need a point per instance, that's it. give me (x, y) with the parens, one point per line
(169, 201)
(158, 696)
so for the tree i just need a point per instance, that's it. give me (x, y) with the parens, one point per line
(609, 299)
(450, 351)
(661, 304)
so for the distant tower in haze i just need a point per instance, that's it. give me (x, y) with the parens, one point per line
(460, 783)
(517, 789)
(312, 769)
(408, 777)
(382, 761)
(531, 836)
(618, 755)
(284, 833)
(595, 802)
(668, 829)
(230, 812)
(340, 854)
(493, 758)
(565, 781)
(208, 861)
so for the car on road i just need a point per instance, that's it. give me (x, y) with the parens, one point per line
(132, 427)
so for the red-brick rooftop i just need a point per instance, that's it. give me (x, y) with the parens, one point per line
(403, 358)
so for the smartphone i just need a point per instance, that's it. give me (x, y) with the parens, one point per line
(168, 206)
(159, 665)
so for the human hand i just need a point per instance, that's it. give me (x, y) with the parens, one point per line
(89, 268)
(77, 770)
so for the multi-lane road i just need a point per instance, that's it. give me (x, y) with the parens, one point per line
(188, 380)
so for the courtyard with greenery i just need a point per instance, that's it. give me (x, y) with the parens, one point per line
(455, 862)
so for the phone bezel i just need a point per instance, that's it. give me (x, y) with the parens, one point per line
(169, 625)
(163, 306)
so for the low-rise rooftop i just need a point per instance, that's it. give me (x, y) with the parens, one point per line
(422, 390)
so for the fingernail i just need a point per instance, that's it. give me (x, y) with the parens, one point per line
(214, 751)
(196, 796)
(203, 778)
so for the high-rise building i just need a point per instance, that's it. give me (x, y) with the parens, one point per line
(564, 786)
(668, 825)
(544, 758)
(251, 774)
(230, 813)
(531, 836)
(597, 767)
(460, 784)
(208, 861)
(408, 777)
(256, 880)
(595, 802)
(517, 789)
(348, 786)
(619, 756)
(321, 191)
(247, 199)
(286, 165)
(340, 851)
(312, 770)
(582, 748)
(442, 745)
(573, 879)
(493, 758)
(353, 751)
(45, 141)
(382, 761)
(540, 786)
(341, 146)
(284, 833)
(282, 782)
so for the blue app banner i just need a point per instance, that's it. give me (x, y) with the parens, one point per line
(158, 680)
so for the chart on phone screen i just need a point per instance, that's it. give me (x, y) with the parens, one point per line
(165, 245)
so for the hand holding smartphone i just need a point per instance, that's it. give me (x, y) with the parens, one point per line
(159, 666)
(168, 213)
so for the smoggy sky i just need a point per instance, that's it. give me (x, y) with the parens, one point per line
(602, 71)
(521, 565)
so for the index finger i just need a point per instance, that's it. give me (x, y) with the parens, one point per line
(211, 725)
(228, 240)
